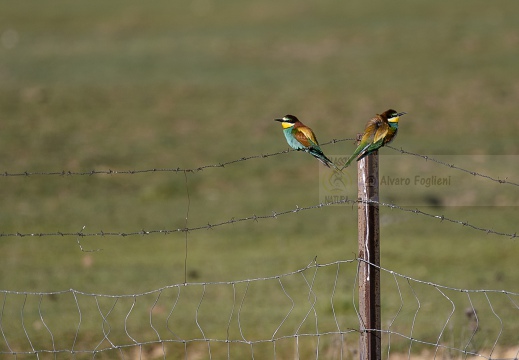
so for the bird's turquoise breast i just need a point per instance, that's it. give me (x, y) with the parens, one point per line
(291, 140)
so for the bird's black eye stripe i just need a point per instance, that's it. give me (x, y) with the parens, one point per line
(290, 118)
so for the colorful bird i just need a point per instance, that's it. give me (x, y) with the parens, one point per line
(301, 137)
(379, 131)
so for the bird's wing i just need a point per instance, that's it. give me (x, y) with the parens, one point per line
(370, 131)
(374, 132)
(305, 136)
(374, 129)
(381, 132)
(378, 139)
(364, 144)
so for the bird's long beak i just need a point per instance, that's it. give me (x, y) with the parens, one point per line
(400, 114)
(280, 120)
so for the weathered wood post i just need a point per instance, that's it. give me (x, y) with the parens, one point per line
(369, 252)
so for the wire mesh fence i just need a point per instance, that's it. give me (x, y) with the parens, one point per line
(311, 312)
(307, 313)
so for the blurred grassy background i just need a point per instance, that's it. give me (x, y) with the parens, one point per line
(126, 85)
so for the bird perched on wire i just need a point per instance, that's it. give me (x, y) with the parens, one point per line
(301, 137)
(379, 131)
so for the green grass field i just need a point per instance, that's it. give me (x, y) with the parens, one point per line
(128, 86)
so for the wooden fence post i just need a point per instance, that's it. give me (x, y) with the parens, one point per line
(369, 251)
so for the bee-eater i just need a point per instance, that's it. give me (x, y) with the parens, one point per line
(301, 137)
(379, 131)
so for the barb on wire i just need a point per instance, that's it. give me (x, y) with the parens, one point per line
(452, 166)
(273, 215)
(141, 171)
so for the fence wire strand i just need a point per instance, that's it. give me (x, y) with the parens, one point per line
(239, 160)
(273, 215)
(452, 166)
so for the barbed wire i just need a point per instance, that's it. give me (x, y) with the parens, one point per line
(273, 215)
(452, 166)
(444, 218)
(208, 226)
(141, 171)
(245, 158)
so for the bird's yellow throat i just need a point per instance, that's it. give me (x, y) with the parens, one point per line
(286, 125)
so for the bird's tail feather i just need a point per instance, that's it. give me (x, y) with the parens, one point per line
(322, 158)
(359, 153)
(349, 161)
